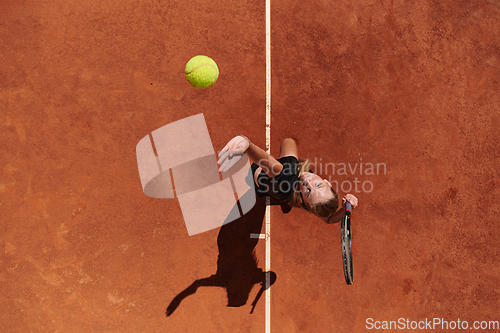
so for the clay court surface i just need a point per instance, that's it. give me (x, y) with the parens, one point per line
(410, 85)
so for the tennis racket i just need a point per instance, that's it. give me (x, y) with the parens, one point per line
(345, 237)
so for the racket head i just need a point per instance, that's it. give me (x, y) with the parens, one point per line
(345, 237)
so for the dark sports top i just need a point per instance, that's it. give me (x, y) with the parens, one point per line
(281, 186)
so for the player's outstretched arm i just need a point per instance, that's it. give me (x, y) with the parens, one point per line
(335, 217)
(239, 145)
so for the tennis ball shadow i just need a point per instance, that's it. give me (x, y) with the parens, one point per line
(237, 265)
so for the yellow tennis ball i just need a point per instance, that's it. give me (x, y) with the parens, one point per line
(201, 72)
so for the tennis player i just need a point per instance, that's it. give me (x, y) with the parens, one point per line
(287, 178)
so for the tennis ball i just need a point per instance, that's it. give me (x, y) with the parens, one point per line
(201, 72)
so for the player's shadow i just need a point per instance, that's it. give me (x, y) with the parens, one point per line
(237, 266)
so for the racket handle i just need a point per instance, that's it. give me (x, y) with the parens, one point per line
(348, 207)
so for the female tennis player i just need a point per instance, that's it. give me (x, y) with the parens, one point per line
(287, 178)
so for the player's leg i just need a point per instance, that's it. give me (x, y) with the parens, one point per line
(289, 148)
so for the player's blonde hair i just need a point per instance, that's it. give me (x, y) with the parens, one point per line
(323, 209)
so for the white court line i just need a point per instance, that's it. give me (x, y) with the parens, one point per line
(267, 235)
(268, 148)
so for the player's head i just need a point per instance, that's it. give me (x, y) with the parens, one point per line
(314, 193)
(314, 190)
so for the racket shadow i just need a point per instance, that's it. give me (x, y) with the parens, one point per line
(237, 265)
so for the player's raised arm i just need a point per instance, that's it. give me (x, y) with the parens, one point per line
(240, 145)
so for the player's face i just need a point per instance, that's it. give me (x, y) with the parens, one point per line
(314, 190)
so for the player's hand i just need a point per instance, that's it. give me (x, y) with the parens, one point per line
(232, 152)
(352, 200)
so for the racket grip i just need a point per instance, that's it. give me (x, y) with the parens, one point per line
(348, 207)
